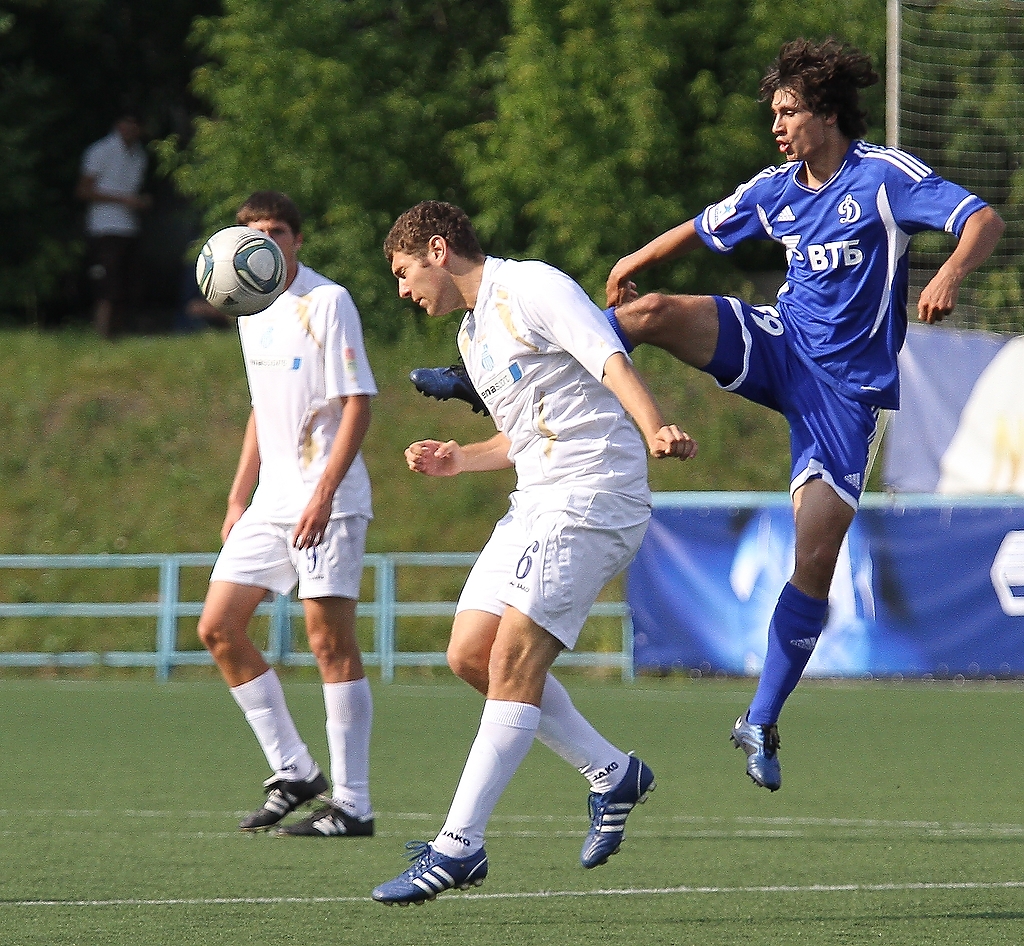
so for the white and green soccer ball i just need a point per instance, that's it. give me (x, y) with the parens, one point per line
(240, 271)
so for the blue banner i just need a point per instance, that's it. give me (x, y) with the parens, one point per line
(921, 588)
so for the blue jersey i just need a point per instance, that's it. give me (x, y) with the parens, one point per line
(844, 302)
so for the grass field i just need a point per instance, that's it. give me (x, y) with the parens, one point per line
(132, 446)
(899, 821)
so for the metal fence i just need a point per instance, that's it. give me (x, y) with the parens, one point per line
(385, 609)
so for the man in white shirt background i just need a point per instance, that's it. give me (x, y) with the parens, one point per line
(113, 171)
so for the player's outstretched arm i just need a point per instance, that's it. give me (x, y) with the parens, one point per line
(977, 240)
(663, 440)
(448, 458)
(669, 245)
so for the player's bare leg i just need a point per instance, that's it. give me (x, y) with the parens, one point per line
(224, 630)
(822, 520)
(684, 326)
(469, 647)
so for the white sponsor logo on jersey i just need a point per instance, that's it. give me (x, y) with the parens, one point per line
(835, 254)
(792, 244)
(504, 380)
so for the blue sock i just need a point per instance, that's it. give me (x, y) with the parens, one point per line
(792, 634)
(609, 314)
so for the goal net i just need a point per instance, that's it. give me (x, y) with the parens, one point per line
(959, 106)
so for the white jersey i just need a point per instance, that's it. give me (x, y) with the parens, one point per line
(303, 353)
(535, 347)
(115, 169)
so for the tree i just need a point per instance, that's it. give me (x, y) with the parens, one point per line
(345, 107)
(66, 68)
(569, 129)
(616, 119)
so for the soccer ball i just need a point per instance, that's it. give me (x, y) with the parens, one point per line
(240, 271)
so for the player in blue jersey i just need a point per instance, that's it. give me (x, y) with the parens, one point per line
(825, 354)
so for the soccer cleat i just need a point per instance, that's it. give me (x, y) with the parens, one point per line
(445, 383)
(608, 813)
(328, 822)
(283, 797)
(432, 873)
(761, 744)
(613, 321)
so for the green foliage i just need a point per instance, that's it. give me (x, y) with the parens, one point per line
(616, 121)
(599, 141)
(571, 131)
(344, 106)
(67, 68)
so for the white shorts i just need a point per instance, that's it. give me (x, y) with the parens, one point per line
(552, 553)
(261, 553)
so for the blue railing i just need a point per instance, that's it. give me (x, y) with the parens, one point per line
(384, 609)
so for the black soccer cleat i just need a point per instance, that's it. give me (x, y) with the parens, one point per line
(283, 797)
(446, 383)
(328, 822)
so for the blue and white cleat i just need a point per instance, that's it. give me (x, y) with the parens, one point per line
(446, 383)
(608, 813)
(431, 874)
(761, 744)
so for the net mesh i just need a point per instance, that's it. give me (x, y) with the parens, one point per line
(961, 110)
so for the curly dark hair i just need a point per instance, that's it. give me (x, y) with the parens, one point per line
(412, 231)
(827, 77)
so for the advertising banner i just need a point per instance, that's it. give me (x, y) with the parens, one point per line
(923, 588)
(960, 427)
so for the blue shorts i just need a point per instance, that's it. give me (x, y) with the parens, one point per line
(829, 433)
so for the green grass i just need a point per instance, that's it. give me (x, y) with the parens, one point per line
(131, 447)
(898, 821)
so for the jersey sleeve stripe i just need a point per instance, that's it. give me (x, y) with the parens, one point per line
(951, 221)
(911, 167)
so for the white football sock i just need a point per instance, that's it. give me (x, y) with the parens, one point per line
(566, 732)
(262, 701)
(505, 736)
(349, 719)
